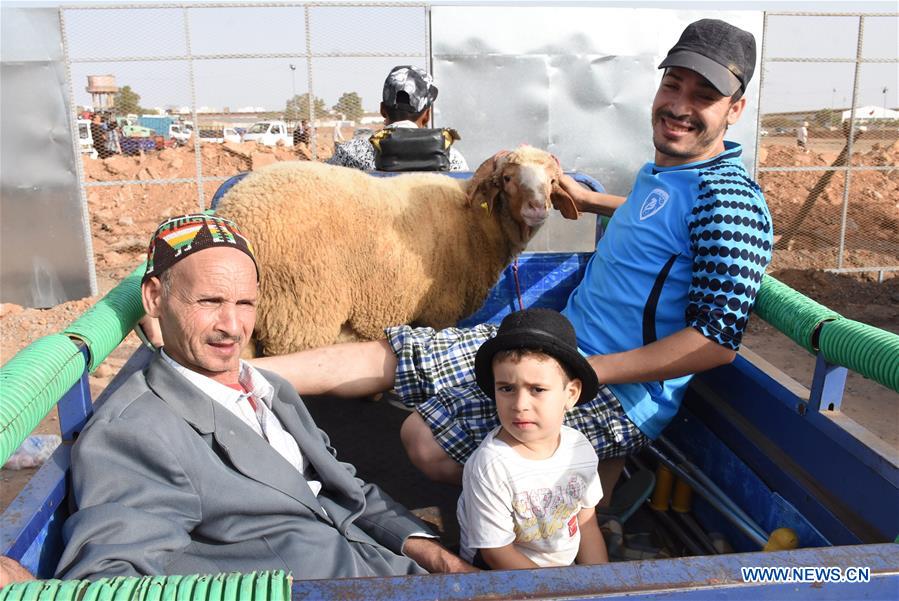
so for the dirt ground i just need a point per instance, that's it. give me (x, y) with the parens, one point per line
(122, 218)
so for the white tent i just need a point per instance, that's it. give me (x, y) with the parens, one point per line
(872, 112)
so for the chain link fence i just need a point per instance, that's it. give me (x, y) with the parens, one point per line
(828, 156)
(169, 96)
(178, 88)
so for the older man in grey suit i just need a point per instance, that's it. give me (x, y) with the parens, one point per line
(202, 464)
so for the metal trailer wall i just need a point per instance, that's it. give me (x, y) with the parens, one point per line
(578, 81)
(45, 249)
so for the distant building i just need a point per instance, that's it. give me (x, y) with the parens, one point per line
(872, 113)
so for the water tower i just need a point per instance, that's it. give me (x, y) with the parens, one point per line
(102, 89)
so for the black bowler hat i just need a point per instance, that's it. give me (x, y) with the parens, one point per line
(720, 52)
(541, 330)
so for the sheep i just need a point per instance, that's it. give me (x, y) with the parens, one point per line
(343, 254)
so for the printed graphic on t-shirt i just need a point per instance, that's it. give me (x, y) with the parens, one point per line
(653, 203)
(541, 512)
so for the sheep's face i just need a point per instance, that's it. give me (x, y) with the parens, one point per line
(527, 189)
(528, 181)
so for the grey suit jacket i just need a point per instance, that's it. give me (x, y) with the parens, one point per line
(167, 481)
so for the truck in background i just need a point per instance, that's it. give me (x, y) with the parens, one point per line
(85, 138)
(167, 126)
(181, 132)
(219, 135)
(269, 133)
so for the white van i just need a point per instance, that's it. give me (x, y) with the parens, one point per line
(181, 132)
(85, 139)
(268, 133)
(226, 134)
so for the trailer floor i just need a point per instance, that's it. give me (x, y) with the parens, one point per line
(366, 433)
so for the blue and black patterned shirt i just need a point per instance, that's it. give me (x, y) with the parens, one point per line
(687, 249)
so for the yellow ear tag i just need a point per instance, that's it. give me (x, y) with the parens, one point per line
(485, 207)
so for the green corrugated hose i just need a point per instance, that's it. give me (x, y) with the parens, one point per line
(872, 352)
(105, 325)
(794, 314)
(256, 586)
(30, 385)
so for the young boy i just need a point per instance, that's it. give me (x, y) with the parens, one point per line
(530, 489)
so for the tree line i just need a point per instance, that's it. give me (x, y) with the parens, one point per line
(349, 105)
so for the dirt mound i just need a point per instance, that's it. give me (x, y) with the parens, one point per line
(807, 208)
(180, 162)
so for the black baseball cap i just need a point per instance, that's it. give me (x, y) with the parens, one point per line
(542, 330)
(720, 52)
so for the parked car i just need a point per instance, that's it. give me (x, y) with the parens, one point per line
(181, 132)
(230, 134)
(269, 133)
(226, 134)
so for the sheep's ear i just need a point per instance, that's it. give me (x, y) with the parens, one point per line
(563, 202)
(484, 187)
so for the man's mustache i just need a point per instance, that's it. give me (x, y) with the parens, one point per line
(694, 123)
(220, 338)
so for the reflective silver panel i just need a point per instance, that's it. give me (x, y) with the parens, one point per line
(45, 254)
(578, 81)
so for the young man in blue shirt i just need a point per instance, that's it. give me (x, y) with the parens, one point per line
(667, 293)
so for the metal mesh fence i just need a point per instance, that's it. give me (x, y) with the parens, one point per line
(174, 99)
(188, 95)
(828, 156)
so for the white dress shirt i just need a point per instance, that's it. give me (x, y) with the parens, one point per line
(239, 404)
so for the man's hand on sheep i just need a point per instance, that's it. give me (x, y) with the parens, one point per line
(587, 200)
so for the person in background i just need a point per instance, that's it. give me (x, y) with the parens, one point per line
(802, 136)
(407, 101)
(98, 135)
(530, 490)
(301, 133)
(113, 137)
(338, 133)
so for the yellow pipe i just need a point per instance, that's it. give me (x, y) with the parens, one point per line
(662, 492)
(682, 500)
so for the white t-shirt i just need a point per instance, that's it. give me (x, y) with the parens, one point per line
(534, 503)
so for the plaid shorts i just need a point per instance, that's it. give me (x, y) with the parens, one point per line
(435, 376)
